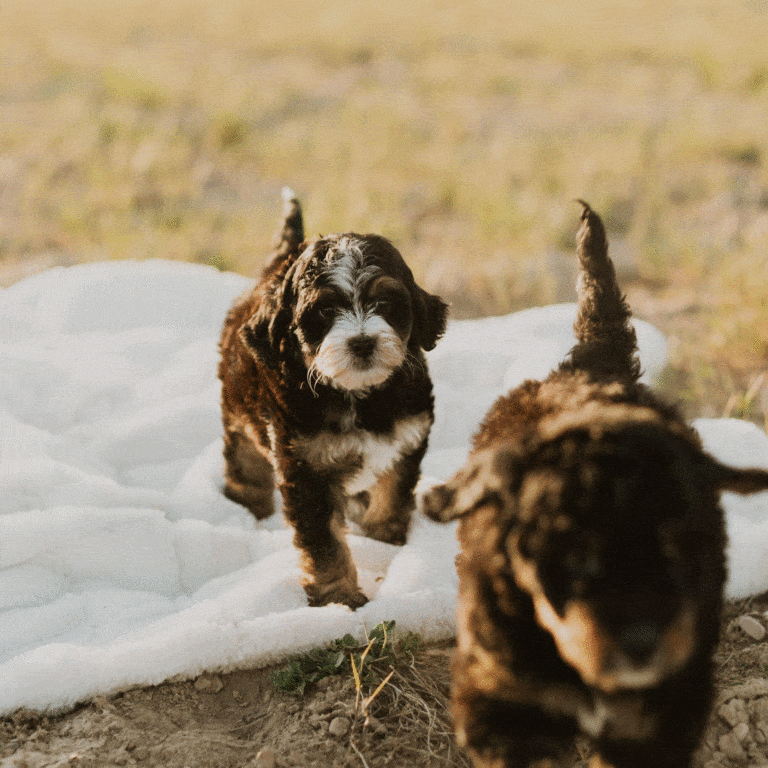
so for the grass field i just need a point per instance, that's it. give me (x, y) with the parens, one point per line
(463, 131)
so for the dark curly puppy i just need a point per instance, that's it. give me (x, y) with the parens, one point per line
(325, 390)
(592, 557)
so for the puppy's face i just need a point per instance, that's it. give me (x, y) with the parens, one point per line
(355, 324)
(611, 565)
(617, 541)
(353, 311)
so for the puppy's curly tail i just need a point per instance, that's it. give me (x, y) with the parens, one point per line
(606, 342)
(291, 236)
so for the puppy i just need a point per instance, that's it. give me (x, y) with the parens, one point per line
(325, 392)
(591, 567)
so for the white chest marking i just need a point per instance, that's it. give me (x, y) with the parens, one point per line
(373, 454)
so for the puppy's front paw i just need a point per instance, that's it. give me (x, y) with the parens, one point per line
(335, 592)
(354, 600)
(388, 531)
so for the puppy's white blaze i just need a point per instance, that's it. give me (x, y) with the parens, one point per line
(346, 270)
(337, 365)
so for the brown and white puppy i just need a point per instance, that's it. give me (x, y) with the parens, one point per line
(325, 391)
(592, 562)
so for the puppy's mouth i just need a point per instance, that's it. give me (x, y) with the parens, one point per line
(641, 655)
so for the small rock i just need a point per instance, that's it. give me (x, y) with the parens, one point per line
(141, 753)
(265, 758)
(752, 627)
(339, 727)
(759, 711)
(730, 746)
(734, 712)
(741, 732)
(209, 683)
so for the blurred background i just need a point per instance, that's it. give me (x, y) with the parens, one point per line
(463, 131)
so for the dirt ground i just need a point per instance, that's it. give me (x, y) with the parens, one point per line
(239, 719)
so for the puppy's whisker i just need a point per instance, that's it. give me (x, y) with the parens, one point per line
(413, 365)
(314, 377)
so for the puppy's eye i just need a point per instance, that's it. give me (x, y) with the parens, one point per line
(327, 313)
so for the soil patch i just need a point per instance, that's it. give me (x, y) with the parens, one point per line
(239, 720)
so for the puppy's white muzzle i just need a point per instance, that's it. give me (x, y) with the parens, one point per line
(360, 351)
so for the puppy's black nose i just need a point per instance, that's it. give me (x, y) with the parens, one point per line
(363, 345)
(640, 640)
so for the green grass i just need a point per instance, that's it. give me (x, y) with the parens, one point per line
(372, 660)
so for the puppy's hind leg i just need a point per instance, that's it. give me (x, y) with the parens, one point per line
(249, 479)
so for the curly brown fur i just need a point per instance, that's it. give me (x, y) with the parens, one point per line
(326, 394)
(592, 561)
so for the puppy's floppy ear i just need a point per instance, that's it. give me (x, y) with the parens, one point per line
(486, 477)
(264, 332)
(742, 481)
(430, 315)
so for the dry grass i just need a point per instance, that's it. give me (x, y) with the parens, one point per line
(461, 130)
(417, 698)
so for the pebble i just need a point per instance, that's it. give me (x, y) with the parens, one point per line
(339, 727)
(759, 711)
(752, 627)
(730, 746)
(741, 732)
(209, 683)
(734, 712)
